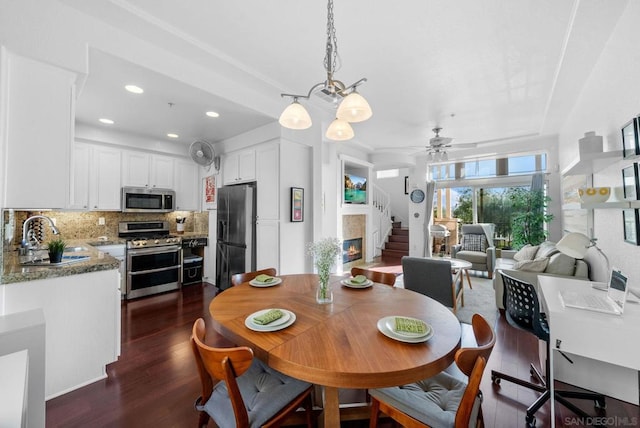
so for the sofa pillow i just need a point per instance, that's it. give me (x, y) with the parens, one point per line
(547, 249)
(537, 265)
(474, 242)
(561, 264)
(528, 252)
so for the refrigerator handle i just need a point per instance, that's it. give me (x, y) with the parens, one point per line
(221, 229)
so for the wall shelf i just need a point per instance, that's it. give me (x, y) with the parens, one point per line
(591, 163)
(610, 205)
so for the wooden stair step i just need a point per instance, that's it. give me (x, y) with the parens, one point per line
(397, 246)
(400, 231)
(394, 253)
(399, 238)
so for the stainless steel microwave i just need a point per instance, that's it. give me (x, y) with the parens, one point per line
(147, 200)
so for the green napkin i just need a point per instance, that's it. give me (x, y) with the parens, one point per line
(264, 278)
(359, 279)
(270, 316)
(409, 325)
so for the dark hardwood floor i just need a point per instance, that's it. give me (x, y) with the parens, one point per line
(155, 383)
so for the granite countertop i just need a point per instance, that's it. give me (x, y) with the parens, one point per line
(13, 271)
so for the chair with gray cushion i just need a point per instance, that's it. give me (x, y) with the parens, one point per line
(433, 278)
(442, 400)
(475, 248)
(241, 391)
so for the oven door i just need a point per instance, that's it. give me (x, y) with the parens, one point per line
(153, 270)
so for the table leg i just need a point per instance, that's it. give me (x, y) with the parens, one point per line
(466, 272)
(331, 408)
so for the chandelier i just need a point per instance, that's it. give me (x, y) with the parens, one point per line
(352, 106)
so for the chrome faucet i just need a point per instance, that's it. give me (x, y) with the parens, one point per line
(28, 235)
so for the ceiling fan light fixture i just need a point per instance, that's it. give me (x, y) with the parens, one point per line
(295, 116)
(354, 108)
(445, 156)
(339, 130)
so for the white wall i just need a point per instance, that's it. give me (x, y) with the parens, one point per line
(395, 188)
(608, 100)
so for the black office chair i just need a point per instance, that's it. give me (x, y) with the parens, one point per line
(522, 309)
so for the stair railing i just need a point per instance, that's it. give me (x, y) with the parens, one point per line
(381, 202)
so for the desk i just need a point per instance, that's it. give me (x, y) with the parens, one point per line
(338, 345)
(573, 330)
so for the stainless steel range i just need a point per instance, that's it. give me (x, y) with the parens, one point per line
(153, 257)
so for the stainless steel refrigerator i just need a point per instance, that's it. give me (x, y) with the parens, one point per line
(236, 232)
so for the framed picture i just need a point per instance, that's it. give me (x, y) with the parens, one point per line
(297, 204)
(209, 192)
(630, 182)
(631, 226)
(406, 184)
(630, 145)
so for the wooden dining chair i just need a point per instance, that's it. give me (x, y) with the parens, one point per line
(375, 276)
(241, 391)
(239, 278)
(441, 400)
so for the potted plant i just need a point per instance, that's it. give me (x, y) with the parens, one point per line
(56, 249)
(527, 227)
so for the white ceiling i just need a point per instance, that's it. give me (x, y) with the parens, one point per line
(483, 70)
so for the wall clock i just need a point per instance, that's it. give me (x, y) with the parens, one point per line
(417, 196)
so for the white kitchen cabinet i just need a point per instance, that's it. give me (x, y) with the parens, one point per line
(239, 167)
(82, 314)
(268, 183)
(140, 169)
(105, 179)
(80, 173)
(187, 185)
(267, 244)
(38, 116)
(95, 178)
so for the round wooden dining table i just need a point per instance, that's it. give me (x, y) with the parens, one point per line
(338, 345)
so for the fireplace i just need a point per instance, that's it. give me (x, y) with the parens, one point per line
(351, 250)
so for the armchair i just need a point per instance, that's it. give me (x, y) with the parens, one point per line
(476, 246)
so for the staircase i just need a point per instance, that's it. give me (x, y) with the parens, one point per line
(398, 244)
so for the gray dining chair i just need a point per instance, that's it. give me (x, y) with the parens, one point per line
(434, 279)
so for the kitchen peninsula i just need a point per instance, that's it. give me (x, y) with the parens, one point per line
(81, 306)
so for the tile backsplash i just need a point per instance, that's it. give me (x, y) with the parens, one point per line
(84, 225)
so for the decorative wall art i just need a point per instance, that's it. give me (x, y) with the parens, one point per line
(406, 184)
(297, 204)
(630, 182)
(630, 144)
(631, 222)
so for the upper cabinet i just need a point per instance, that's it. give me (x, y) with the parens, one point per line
(95, 178)
(187, 185)
(38, 115)
(239, 167)
(140, 169)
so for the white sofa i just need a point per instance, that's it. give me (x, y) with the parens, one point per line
(557, 264)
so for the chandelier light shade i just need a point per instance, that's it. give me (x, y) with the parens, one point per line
(295, 116)
(352, 107)
(339, 130)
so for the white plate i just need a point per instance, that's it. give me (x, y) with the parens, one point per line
(347, 283)
(391, 326)
(385, 326)
(288, 317)
(275, 281)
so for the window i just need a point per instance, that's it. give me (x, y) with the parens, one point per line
(488, 168)
(387, 173)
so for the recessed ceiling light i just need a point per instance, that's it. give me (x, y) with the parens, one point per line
(213, 114)
(170, 135)
(106, 121)
(134, 89)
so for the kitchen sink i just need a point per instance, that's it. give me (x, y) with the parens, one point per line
(75, 249)
(66, 260)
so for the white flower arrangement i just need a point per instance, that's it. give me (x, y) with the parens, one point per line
(325, 253)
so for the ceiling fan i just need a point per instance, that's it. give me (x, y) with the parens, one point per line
(437, 148)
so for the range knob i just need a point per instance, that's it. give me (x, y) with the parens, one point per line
(156, 241)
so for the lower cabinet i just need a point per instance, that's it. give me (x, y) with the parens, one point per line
(82, 316)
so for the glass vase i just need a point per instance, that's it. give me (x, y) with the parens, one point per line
(323, 292)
